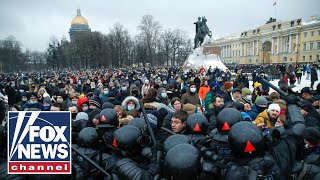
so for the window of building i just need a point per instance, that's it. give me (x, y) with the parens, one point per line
(317, 57)
(258, 31)
(310, 57)
(254, 31)
(286, 44)
(273, 27)
(311, 46)
(305, 34)
(303, 58)
(304, 47)
(290, 59)
(312, 33)
(318, 45)
(318, 32)
(239, 53)
(279, 26)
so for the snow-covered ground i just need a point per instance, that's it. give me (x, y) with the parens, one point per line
(304, 83)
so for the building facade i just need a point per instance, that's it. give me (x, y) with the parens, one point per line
(79, 27)
(292, 41)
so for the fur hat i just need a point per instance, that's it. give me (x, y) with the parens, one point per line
(189, 108)
(245, 91)
(131, 98)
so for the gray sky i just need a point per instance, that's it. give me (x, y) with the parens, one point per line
(33, 22)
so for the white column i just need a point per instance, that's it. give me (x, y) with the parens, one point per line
(240, 49)
(289, 43)
(272, 45)
(222, 51)
(230, 51)
(257, 53)
(296, 48)
(252, 48)
(226, 52)
(278, 45)
(245, 49)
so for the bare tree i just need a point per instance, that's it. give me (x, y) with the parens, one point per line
(149, 35)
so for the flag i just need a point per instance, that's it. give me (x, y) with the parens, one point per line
(275, 3)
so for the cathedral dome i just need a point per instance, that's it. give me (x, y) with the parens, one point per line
(78, 19)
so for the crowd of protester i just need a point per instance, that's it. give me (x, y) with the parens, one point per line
(223, 127)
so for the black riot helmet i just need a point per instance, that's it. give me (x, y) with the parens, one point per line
(88, 137)
(129, 139)
(175, 140)
(109, 116)
(197, 124)
(182, 162)
(245, 139)
(139, 123)
(226, 119)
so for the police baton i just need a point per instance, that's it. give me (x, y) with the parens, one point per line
(282, 93)
(168, 130)
(147, 122)
(91, 162)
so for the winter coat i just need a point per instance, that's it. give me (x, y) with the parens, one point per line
(203, 91)
(226, 95)
(254, 112)
(28, 105)
(209, 98)
(189, 97)
(264, 117)
(131, 98)
(314, 75)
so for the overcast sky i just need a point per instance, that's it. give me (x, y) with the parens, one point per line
(33, 22)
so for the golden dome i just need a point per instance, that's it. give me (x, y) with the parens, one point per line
(79, 19)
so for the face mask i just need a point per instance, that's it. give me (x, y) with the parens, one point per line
(85, 108)
(193, 90)
(130, 108)
(74, 102)
(24, 99)
(164, 95)
(249, 97)
(46, 108)
(105, 92)
(123, 88)
(21, 90)
(33, 102)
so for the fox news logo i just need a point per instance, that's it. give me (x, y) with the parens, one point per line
(39, 142)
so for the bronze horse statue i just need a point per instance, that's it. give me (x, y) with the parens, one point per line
(202, 31)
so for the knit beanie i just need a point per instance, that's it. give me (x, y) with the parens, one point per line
(228, 85)
(261, 101)
(274, 107)
(96, 102)
(312, 135)
(82, 116)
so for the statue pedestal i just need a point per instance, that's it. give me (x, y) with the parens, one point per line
(205, 56)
